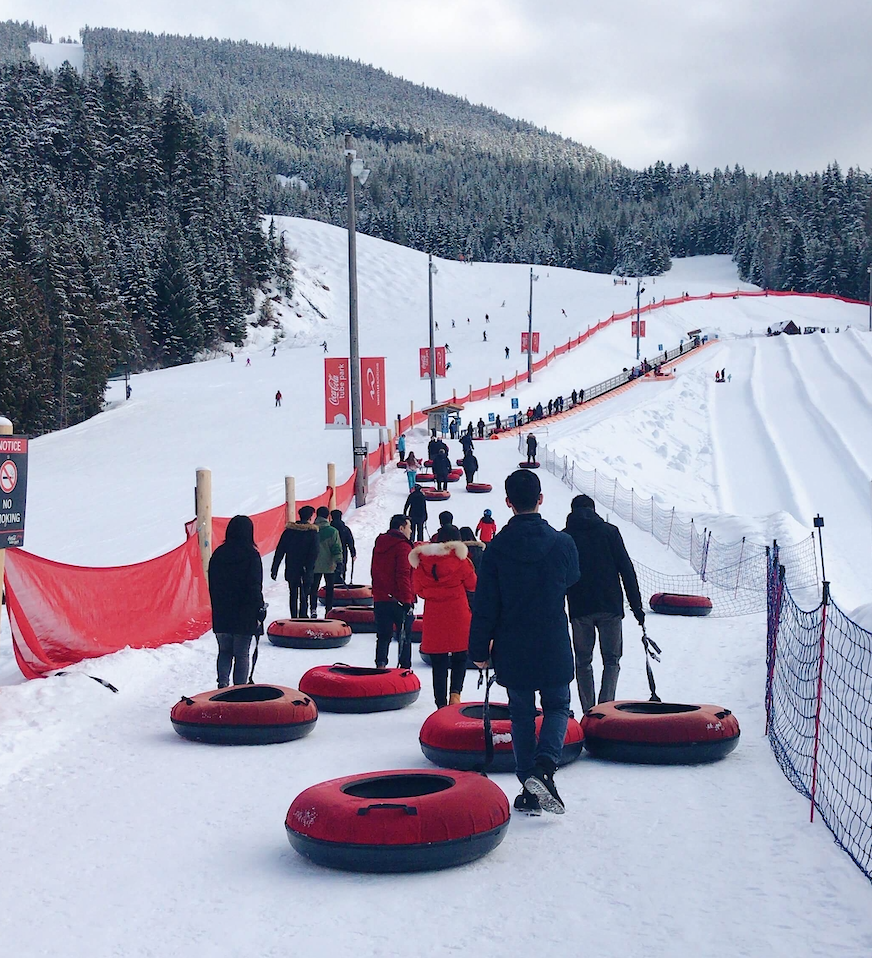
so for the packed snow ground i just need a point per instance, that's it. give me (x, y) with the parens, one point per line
(123, 839)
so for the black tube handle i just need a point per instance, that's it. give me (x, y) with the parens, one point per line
(408, 809)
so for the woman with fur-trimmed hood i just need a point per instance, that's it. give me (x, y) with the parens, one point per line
(442, 574)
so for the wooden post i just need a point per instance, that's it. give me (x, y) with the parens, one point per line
(399, 426)
(331, 482)
(516, 380)
(470, 392)
(489, 384)
(290, 500)
(454, 396)
(382, 442)
(5, 430)
(412, 414)
(203, 498)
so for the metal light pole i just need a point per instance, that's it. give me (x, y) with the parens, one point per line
(869, 271)
(530, 332)
(639, 290)
(354, 168)
(431, 269)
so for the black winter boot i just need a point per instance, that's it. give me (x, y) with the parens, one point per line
(541, 784)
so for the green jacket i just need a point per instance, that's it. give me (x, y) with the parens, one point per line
(329, 547)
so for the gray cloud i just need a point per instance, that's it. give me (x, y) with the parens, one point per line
(778, 85)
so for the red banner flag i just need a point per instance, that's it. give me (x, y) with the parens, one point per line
(424, 362)
(525, 340)
(372, 391)
(641, 323)
(337, 414)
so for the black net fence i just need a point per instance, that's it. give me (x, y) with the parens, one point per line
(728, 595)
(819, 710)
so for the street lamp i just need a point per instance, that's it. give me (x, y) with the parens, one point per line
(431, 271)
(354, 170)
(530, 330)
(639, 290)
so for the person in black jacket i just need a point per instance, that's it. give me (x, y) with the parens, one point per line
(441, 468)
(298, 546)
(519, 618)
(346, 538)
(532, 447)
(470, 466)
(416, 509)
(596, 603)
(235, 589)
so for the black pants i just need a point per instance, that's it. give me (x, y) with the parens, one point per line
(390, 618)
(329, 579)
(440, 663)
(441, 485)
(470, 475)
(417, 530)
(299, 590)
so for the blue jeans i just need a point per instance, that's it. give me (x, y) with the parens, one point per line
(232, 652)
(547, 751)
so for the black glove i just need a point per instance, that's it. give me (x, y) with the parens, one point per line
(640, 616)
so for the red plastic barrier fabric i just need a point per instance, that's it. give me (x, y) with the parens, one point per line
(61, 614)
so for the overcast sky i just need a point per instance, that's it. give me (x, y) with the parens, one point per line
(769, 84)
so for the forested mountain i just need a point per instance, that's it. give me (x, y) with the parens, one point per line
(127, 235)
(129, 198)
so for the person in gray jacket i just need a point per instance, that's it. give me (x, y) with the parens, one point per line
(596, 602)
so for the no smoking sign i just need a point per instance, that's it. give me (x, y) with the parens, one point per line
(13, 490)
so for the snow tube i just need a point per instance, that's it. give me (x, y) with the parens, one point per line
(349, 688)
(402, 465)
(348, 595)
(425, 658)
(673, 603)
(528, 465)
(309, 633)
(425, 477)
(417, 629)
(436, 494)
(428, 463)
(453, 737)
(479, 487)
(359, 618)
(660, 733)
(454, 475)
(459, 462)
(398, 821)
(245, 715)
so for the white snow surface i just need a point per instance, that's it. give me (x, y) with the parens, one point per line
(122, 839)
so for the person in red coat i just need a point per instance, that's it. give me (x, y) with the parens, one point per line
(442, 574)
(393, 598)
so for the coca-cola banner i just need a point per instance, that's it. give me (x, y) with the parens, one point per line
(337, 414)
(525, 342)
(424, 362)
(372, 391)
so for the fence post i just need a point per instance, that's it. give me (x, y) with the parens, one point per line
(331, 482)
(820, 692)
(203, 498)
(454, 396)
(652, 515)
(739, 566)
(290, 499)
(412, 414)
(489, 386)
(671, 520)
(382, 441)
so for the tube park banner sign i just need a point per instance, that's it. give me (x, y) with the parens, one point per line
(337, 393)
(525, 342)
(13, 490)
(424, 362)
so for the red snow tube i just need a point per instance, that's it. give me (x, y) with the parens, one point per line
(479, 487)
(454, 475)
(428, 463)
(436, 494)
(459, 462)
(359, 618)
(660, 733)
(453, 737)
(673, 603)
(402, 465)
(398, 821)
(528, 465)
(309, 633)
(348, 595)
(417, 629)
(427, 660)
(348, 688)
(425, 477)
(245, 715)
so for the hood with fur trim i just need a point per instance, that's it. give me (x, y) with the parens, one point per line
(437, 549)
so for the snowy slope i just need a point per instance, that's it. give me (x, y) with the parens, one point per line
(125, 840)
